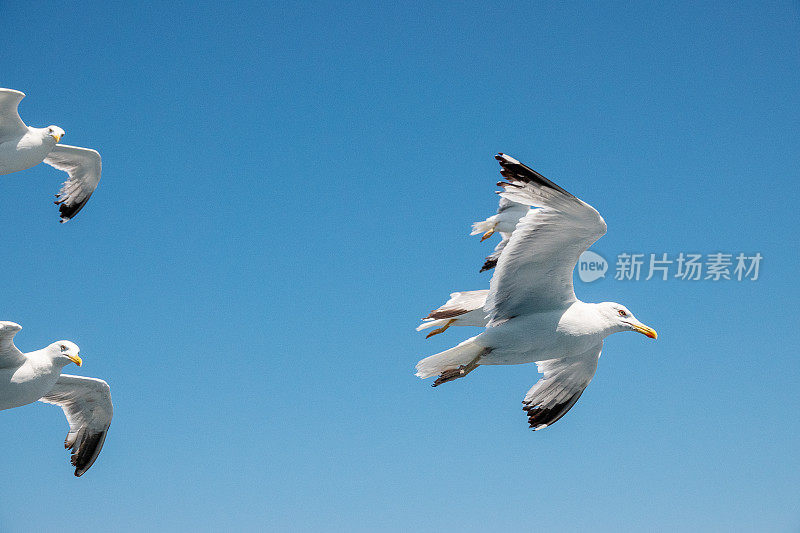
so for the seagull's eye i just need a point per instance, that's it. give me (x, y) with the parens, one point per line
(63, 348)
(622, 313)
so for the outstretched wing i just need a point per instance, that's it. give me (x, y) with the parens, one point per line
(534, 271)
(10, 356)
(87, 405)
(83, 166)
(11, 126)
(563, 383)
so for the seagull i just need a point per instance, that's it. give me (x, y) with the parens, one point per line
(533, 313)
(466, 308)
(508, 215)
(26, 378)
(462, 309)
(23, 147)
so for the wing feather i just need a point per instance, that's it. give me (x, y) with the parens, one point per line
(87, 405)
(83, 165)
(510, 210)
(10, 356)
(491, 259)
(459, 303)
(534, 270)
(11, 126)
(563, 383)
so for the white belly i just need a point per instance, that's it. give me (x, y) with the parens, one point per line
(535, 337)
(25, 384)
(23, 153)
(476, 317)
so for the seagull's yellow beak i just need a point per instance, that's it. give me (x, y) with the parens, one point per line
(57, 137)
(75, 359)
(647, 331)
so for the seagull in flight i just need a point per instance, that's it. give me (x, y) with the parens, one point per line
(23, 147)
(466, 308)
(533, 315)
(86, 402)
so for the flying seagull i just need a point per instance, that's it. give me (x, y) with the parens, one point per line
(23, 147)
(508, 215)
(26, 378)
(533, 314)
(466, 308)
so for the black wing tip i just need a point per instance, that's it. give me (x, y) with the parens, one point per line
(488, 265)
(88, 451)
(513, 170)
(67, 212)
(542, 417)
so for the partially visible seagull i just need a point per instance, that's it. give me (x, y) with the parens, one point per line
(466, 308)
(22, 147)
(26, 378)
(462, 309)
(533, 314)
(508, 215)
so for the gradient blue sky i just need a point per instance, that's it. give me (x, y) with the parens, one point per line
(287, 188)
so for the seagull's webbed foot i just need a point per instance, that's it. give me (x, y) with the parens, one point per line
(455, 373)
(488, 233)
(441, 329)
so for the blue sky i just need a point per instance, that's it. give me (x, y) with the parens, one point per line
(288, 188)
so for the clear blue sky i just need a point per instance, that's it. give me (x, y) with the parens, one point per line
(288, 188)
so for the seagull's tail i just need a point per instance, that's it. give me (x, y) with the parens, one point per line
(430, 323)
(482, 227)
(463, 354)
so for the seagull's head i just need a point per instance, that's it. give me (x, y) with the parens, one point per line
(65, 352)
(55, 132)
(621, 319)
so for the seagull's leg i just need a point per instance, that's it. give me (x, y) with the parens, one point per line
(441, 329)
(488, 233)
(455, 373)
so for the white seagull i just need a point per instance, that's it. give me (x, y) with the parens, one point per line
(508, 215)
(26, 378)
(23, 147)
(533, 314)
(466, 308)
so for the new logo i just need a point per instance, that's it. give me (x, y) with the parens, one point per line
(591, 266)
